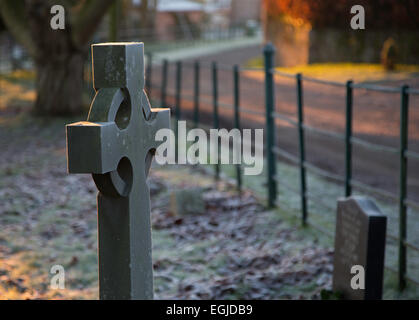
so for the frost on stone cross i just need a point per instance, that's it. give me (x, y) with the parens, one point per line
(116, 145)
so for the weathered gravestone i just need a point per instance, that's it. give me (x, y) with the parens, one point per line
(187, 201)
(359, 241)
(116, 144)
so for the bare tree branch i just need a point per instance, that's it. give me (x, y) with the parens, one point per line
(14, 17)
(88, 18)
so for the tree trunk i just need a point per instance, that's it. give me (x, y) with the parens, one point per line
(59, 63)
(60, 86)
(58, 54)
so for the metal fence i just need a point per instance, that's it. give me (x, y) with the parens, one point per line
(273, 151)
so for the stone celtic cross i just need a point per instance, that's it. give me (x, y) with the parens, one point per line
(116, 145)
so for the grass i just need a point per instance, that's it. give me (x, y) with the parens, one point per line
(17, 89)
(30, 257)
(48, 218)
(358, 72)
(289, 210)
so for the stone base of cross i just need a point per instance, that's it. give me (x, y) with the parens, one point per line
(116, 145)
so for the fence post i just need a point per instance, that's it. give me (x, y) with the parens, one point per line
(196, 93)
(236, 77)
(92, 90)
(215, 114)
(404, 112)
(303, 184)
(164, 83)
(149, 73)
(348, 142)
(269, 53)
(87, 76)
(178, 89)
(86, 80)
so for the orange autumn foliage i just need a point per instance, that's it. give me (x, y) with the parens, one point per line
(380, 14)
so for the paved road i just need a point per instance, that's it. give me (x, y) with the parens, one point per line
(376, 116)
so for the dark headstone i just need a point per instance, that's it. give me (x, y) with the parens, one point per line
(359, 240)
(187, 201)
(116, 145)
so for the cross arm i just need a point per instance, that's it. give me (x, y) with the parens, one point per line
(159, 119)
(92, 147)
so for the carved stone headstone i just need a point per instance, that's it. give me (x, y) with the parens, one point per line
(116, 145)
(187, 201)
(359, 241)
